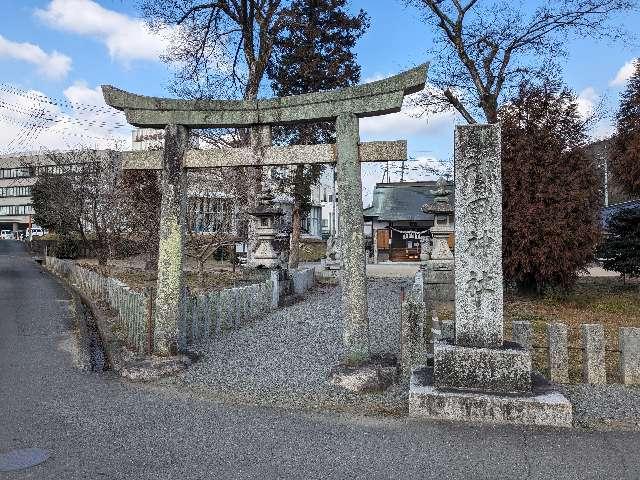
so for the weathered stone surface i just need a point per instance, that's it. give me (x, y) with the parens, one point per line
(415, 331)
(478, 230)
(169, 297)
(593, 366)
(522, 334)
(375, 375)
(558, 353)
(630, 355)
(274, 155)
(375, 98)
(275, 290)
(544, 407)
(481, 369)
(153, 368)
(351, 228)
(439, 271)
(447, 329)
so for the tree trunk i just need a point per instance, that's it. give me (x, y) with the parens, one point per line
(294, 246)
(201, 262)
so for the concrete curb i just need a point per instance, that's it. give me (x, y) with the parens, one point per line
(120, 359)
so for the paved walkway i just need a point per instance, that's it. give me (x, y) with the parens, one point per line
(97, 426)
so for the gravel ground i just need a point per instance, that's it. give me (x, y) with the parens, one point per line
(605, 407)
(284, 359)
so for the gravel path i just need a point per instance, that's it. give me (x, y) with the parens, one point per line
(605, 407)
(284, 359)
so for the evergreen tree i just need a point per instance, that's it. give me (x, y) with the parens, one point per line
(620, 250)
(626, 153)
(314, 53)
(551, 200)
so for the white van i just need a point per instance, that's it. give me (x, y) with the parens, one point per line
(35, 232)
(6, 235)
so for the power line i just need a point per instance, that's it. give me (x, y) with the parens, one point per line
(80, 121)
(13, 90)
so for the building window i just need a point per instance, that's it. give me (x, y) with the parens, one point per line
(16, 172)
(210, 214)
(16, 210)
(15, 191)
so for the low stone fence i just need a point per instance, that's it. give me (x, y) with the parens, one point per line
(555, 351)
(205, 315)
(212, 313)
(302, 280)
(133, 308)
(552, 350)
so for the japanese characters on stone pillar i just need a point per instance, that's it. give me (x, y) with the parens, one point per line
(478, 232)
(478, 376)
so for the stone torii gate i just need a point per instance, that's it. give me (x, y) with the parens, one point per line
(344, 106)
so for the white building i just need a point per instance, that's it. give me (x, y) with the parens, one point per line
(16, 181)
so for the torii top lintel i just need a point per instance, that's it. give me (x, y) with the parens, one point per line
(367, 100)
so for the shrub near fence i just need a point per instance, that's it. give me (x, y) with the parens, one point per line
(132, 307)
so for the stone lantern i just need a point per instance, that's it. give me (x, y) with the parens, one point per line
(442, 222)
(438, 268)
(265, 255)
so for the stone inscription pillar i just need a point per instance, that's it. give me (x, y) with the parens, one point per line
(172, 231)
(351, 232)
(478, 230)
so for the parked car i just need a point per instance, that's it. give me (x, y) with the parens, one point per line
(35, 232)
(6, 235)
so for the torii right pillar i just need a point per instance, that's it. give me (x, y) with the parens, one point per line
(477, 376)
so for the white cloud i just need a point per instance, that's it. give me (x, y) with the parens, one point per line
(376, 76)
(624, 74)
(407, 122)
(53, 65)
(126, 38)
(587, 100)
(30, 122)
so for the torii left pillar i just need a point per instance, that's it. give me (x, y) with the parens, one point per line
(170, 286)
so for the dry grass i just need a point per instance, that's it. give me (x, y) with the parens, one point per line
(607, 301)
(214, 279)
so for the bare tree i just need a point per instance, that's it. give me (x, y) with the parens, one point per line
(212, 218)
(222, 49)
(484, 49)
(80, 192)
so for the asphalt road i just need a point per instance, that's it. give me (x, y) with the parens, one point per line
(97, 426)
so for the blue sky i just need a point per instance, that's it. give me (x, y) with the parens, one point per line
(76, 45)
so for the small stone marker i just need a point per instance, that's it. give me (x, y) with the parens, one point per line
(413, 338)
(558, 353)
(593, 358)
(630, 355)
(522, 333)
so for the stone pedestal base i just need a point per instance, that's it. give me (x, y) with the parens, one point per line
(376, 375)
(438, 277)
(505, 370)
(543, 406)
